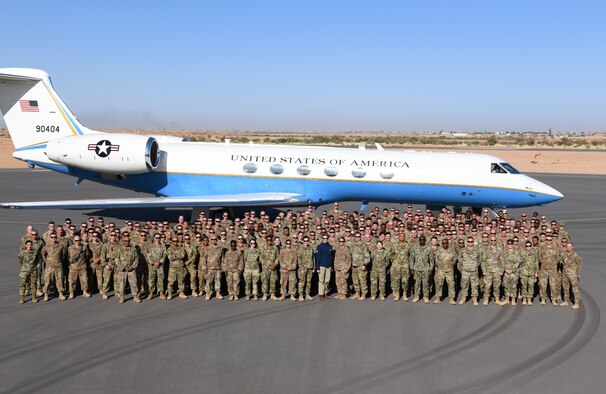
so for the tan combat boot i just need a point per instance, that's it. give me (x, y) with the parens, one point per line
(273, 297)
(235, 298)
(463, 300)
(309, 298)
(86, 294)
(207, 298)
(292, 297)
(382, 298)
(452, 301)
(564, 303)
(505, 302)
(524, 301)
(71, 295)
(34, 298)
(121, 301)
(475, 301)
(39, 293)
(301, 297)
(61, 296)
(437, 300)
(264, 297)
(373, 297)
(485, 301)
(543, 301)
(282, 298)
(405, 298)
(426, 300)
(362, 297)
(355, 296)
(170, 295)
(219, 296)
(513, 301)
(21, 298)
(256, 297)
(396, 296)
(529, 301)
(162, 296)
(137, 299)
(554, 302)
(46, 296)
(416, 299)
(150, 295)
(182, 295)
(575, 305)
(195, 293)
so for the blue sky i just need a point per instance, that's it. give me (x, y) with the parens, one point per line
(318, 65)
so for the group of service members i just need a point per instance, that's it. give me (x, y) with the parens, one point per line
(419, 252)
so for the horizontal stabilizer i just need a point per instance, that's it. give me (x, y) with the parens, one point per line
(229, 200)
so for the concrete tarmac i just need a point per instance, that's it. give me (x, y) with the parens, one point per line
(296, 347)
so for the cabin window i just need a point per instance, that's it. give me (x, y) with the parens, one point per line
(304, 170)
(331, 171)
(511, 169)
(250, 168)
(277, 169)
(358, 172)
(386, 174)
(495, 168)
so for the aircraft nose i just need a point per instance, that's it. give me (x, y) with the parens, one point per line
(548, 193)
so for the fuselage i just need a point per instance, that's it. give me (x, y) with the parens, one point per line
(323, 174)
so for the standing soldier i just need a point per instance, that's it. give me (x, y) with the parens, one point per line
(176, 272)
(305, 254)
(111, 253)
(77, 256)
(360, 257)
(511, 265)
(28, 262)
(96, 248)
(549, 257)
(37, 245)
(422, 264)
(126, 265)
(492, 270)
(211, 263)
(400, 268)
(572, 264)
(468, 266)
(269, 268)
(156, 256)
(191, 265)
(232, 265)
(54, 254)
(445, 258)
(251, 270)
(288, 271)
(379, 258)
(342, 267)
(529, 271)
(201, 270)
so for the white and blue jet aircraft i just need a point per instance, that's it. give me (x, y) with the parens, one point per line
(189, 174)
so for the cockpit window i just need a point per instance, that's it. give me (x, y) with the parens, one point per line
(495, 168)
(511, 169)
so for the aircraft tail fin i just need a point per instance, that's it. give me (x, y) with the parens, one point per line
(33, 112)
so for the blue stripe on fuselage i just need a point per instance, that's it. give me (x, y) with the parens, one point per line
(318, 191)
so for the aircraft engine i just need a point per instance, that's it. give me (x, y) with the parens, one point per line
(106, 153)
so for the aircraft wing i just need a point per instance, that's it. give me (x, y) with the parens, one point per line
(228, 200)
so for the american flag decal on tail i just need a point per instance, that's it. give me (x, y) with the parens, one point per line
(29, 105)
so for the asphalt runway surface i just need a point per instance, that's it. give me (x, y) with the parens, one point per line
(297, 347)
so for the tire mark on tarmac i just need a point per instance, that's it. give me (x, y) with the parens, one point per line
(55, 375)
(557, 353)
(475, 338)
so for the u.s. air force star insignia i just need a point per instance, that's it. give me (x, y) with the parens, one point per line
(103, 148)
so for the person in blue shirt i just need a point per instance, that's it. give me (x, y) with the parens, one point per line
(323, 266)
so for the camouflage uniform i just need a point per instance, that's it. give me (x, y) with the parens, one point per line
(176, 272)
(492, 269)
(233, 264)
(511, 262)
(468, 266)
(156, 256)
(288, 271)
(360, 257)
(28, 272)
(378, 274)
(400, 269)
(549, 257)
(126, 266)
(211, 263)
(96, 263)
(54, 254)
(342, 265)
(572, 264)
(251, 272)
(422, 263)
(111, 256)
(77, 256)
(529, 267)
(305, 255)
(445, 260)
(269, 269)
(192, 267)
